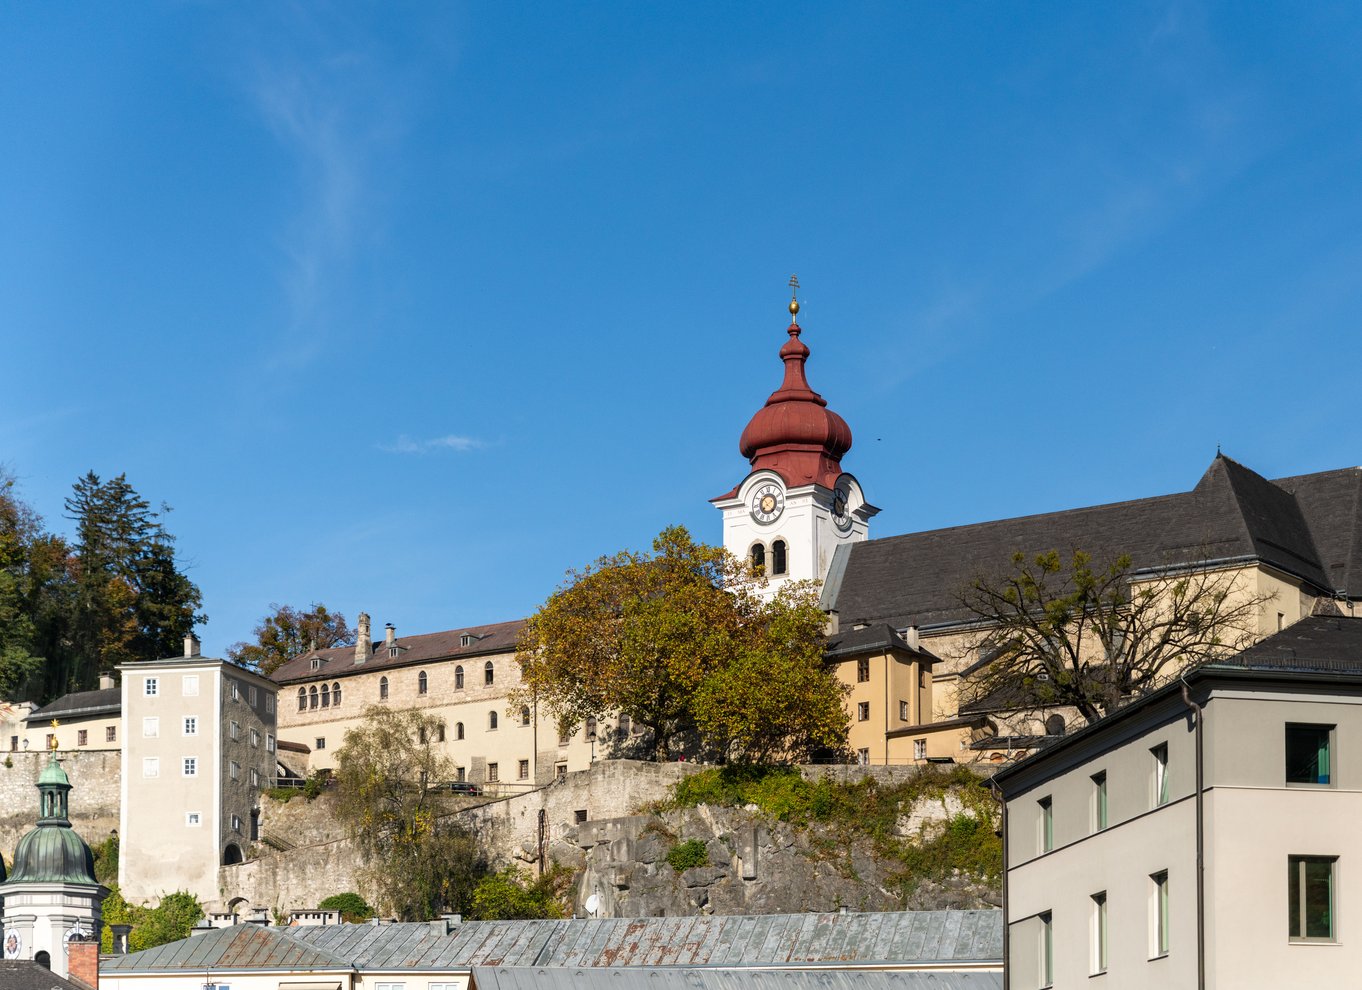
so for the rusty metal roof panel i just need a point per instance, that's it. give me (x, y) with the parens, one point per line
(645, 978)
(241, 947)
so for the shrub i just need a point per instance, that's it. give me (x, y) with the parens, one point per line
(512, 894)
(351, 906)
(688, 854)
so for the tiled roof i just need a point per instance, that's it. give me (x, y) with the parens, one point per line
(1309, 526)
(25, 974)
(339, 661)
(1319, 642)
(867, 639)
(732, 940)
(81, 704)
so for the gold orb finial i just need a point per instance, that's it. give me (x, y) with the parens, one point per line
(794, 292)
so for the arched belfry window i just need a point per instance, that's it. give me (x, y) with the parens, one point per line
(779, 565)
(382, 689)
(758, 556)
(458, 678)
(326, 695)
(302, 699)
(335, 693)
(312, 697)
(422, 683)
(488, 673)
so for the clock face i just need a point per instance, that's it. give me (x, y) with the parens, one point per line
(12, 945)
(768, 502)
(840, 515)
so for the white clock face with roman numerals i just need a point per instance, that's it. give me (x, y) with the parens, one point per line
(768, 502)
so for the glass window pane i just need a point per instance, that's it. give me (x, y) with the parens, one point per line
(1293, 897)
(1307, 754)
(1319, 898)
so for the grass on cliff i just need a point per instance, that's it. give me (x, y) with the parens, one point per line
(868, 810)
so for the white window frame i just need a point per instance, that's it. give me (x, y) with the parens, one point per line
(1045, 824)
(255, 738)
(250, 695)
(1161, 794)
(1296, 912)
(189, 766)
(236, 690)
(234, 769)
(189, 686)
(151, 727)
(255, 777)
(151, 687)
(1159, 928)
(1099, 933)
(1045, 955)
(189, 725)
(269, 742)
(919, 749)
(234, 729)
(193, 819)
(269, 702)
(151, 766)
(1101, 810)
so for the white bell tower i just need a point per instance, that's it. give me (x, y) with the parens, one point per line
(797, 505)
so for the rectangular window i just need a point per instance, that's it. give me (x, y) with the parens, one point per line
(151, 766)
(863, 670)
(193, 819)
(919, 749)
(390, 986)
(524, 770)
(250, 695)
(191, 725)
(269, 702)
(236, 690)
(234, 769)
(191, 766)
(150, 687)
(269, 742)
(1160, 755)
(151, 727)
(1047, 824)
(236, 823)
(560, 770)
(1099, 932)
(234, 730)
(492, 773)
(579, 816)
(255, 777)
(903, 711)
(863, 757)
(321, 742)
(111, 734)
(51, 740)
(255, 738)
(189, 685)
(1099, 801)
(14, 743)
(1310, 898)
(460, 773)
(1158, 915)
(1307, 754)
(82, 737)
(863, 711)
(1047, 950)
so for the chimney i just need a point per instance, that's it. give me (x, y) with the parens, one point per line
(201, 927)
(120, 938)
(191, 645)
(107, 682)
(913, 639)
(363, 646)
(389, 634)
(82, 961)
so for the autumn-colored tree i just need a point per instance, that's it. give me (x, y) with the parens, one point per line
(682, 641)
(389, 795)
(289, 632)
(1070, 632)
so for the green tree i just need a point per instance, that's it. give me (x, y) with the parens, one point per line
(512, 894)
(352, 907)
(389, 795)
(289, 632)
(170, 921)
(20, 649)
(683, 640)
(1071, 632)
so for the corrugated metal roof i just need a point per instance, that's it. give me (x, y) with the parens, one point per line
(885, 938)
(536, 978)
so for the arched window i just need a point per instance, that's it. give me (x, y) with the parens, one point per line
(590, 729)
(231, 855)
(458, 678)
(626, 725)
(458, 730)
(382, 689)
(312, 697)
(422, 683)
(487, 673)
(758, 555)
(778, 562)
(302, 699)
(326, 695)
(43, 959)
(440, 732)
(491, 720)
(1054, 725)
(524, 714)
(335, 693)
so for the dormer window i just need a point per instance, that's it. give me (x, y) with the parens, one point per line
(467, 639)
(316, 663)
(393, 651)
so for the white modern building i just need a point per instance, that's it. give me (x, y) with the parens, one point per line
(1205, 836)
(199, 745)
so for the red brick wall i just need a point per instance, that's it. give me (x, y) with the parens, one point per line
(83, 960)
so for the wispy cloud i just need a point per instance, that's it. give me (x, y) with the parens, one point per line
(408, 445)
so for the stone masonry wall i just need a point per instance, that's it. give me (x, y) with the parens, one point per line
(95, 782)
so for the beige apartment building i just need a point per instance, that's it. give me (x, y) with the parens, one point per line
(84, 720)
(200, 744)
(465, 678)
(1249, 768)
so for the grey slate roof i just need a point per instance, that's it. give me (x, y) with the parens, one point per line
(1319, 642)
(18, 974)
(339, 661)
(1309, 526)
(81, 704)
(530, 978)
(880, 636)
(968, 937)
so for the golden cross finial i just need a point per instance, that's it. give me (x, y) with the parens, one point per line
(794, 293)
(55, 723)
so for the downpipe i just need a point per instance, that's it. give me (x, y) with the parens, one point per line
(1200, 840)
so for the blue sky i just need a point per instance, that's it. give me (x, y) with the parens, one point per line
(410, 308)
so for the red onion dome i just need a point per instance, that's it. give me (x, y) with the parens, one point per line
(794, 433)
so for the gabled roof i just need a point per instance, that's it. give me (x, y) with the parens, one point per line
(81, 704)
(732, 940)
(876, 638)
(17, 974)
(240, 947)
(1309, 526)
(339, 661)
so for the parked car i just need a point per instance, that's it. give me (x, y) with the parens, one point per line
(465, 787)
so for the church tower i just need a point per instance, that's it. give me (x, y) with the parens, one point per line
(797, 505)
(51, 898)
